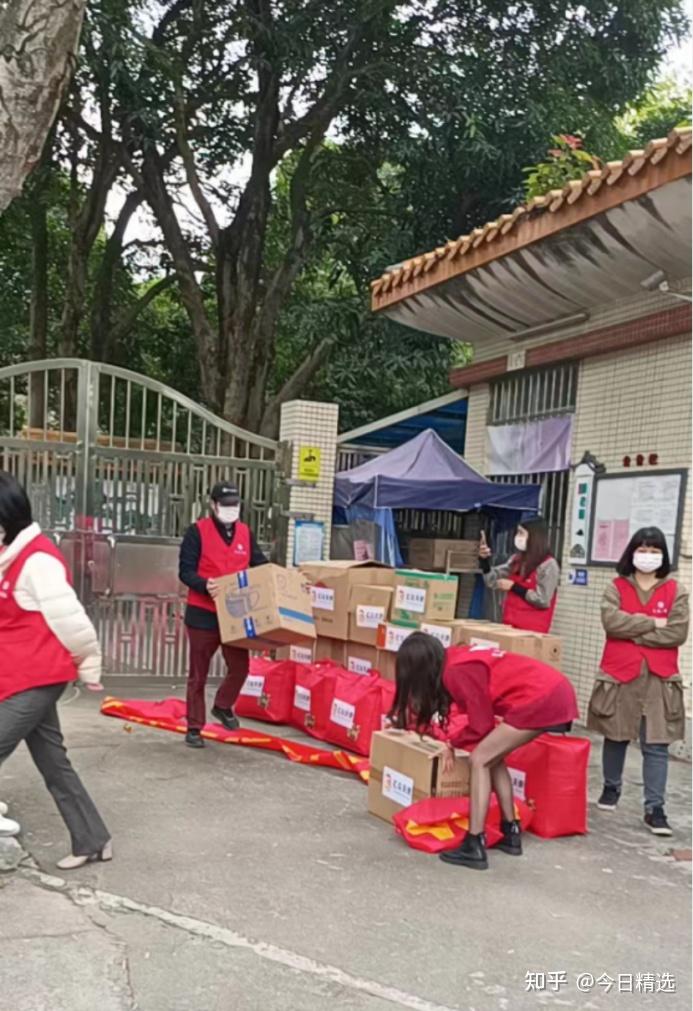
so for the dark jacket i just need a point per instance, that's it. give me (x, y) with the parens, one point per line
(188, 561)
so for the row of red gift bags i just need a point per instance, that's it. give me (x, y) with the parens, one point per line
(322, 699)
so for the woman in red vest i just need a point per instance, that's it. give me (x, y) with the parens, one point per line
(639, 693)
(216, 546)
(529, 578)
(46, 641)
(529, 697)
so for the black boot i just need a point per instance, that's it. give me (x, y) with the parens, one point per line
(512, 838)
(472, 853)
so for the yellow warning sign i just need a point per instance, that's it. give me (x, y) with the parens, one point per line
(308, 463)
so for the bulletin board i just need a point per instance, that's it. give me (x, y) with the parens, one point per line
(625, 502)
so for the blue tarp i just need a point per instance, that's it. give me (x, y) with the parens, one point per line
(425, 473)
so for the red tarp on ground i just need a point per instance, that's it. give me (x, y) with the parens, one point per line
(169, 714)
(440, 823)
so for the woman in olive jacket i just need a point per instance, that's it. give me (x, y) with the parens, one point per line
(639, 692)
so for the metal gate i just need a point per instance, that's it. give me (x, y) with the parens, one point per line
(117, 466)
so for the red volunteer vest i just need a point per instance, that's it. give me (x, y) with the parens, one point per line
(217, 558)
(622, 658)
(31, 656)
(518, 685)
(521, 614)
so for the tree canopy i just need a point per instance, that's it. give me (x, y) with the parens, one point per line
(224, 180)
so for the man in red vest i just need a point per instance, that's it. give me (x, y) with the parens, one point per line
(215, 546)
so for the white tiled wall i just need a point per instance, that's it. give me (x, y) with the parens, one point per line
(308, 423)
(627, 402)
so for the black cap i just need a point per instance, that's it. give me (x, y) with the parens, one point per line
(225, 493)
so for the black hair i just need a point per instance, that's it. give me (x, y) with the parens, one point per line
(538, 547)
(420, 694)
(646, 537)
(15, 508)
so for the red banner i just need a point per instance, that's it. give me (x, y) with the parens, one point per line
(169, 714)
(441, 823)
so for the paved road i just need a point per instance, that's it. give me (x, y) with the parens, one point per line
(243, 882)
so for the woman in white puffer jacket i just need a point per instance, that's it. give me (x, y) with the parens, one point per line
(46, 641)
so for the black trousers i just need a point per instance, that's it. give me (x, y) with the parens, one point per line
(32, 716)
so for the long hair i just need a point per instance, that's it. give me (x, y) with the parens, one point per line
(538, 548)
(15, 508)
(420, 694)
(646, 537)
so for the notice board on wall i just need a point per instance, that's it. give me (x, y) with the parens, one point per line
(625, 502)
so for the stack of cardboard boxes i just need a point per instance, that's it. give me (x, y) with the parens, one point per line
(357, 614)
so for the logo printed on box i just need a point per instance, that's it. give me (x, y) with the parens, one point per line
(357, 665)
(443, 635)
(519, 781)
(397, 786)
(410, 598)
(253, 685)
(300, 654)
(342, 713)
(322, 598)
(302, 698)
(394, 637)
(485, 646)
(369, 617)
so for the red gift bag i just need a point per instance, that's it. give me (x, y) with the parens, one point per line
(313, 694)
(551, 774)
(441, 823)
(268, 691)
(356, 711)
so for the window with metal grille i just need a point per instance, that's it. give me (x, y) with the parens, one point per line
(527, 396)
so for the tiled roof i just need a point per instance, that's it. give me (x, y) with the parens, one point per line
(617, 182)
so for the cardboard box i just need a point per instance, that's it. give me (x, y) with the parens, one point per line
(330, 649)
(265, 607)
(299, 654)
(359, 658)
(405, 767)
(391, 634)
(430, 554)
(546, 648)
(331, 588)
(386, 664)
(422, 596)
(452, 633)
(369, 607)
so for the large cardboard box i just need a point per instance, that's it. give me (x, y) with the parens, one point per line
(405, 767)
(265, 607)
(359, 658)
(299, 654)
(369, 607)
(423, 596)
(386, 664)
(452, 633)
(430, 554)
(331, 588)
(330, 649)
(546, 648)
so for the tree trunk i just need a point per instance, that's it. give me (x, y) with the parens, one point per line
(85, 229)
(38, 46)
(102, 307)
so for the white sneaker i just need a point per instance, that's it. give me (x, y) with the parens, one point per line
(3, 807)
(8, 826)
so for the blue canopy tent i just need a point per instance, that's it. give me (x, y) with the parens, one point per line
(425, 473)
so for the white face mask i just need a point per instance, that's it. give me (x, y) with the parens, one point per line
(521, 542)
(228, 514)
(648, 561)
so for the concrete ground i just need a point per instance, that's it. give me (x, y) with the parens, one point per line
(243, 882)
